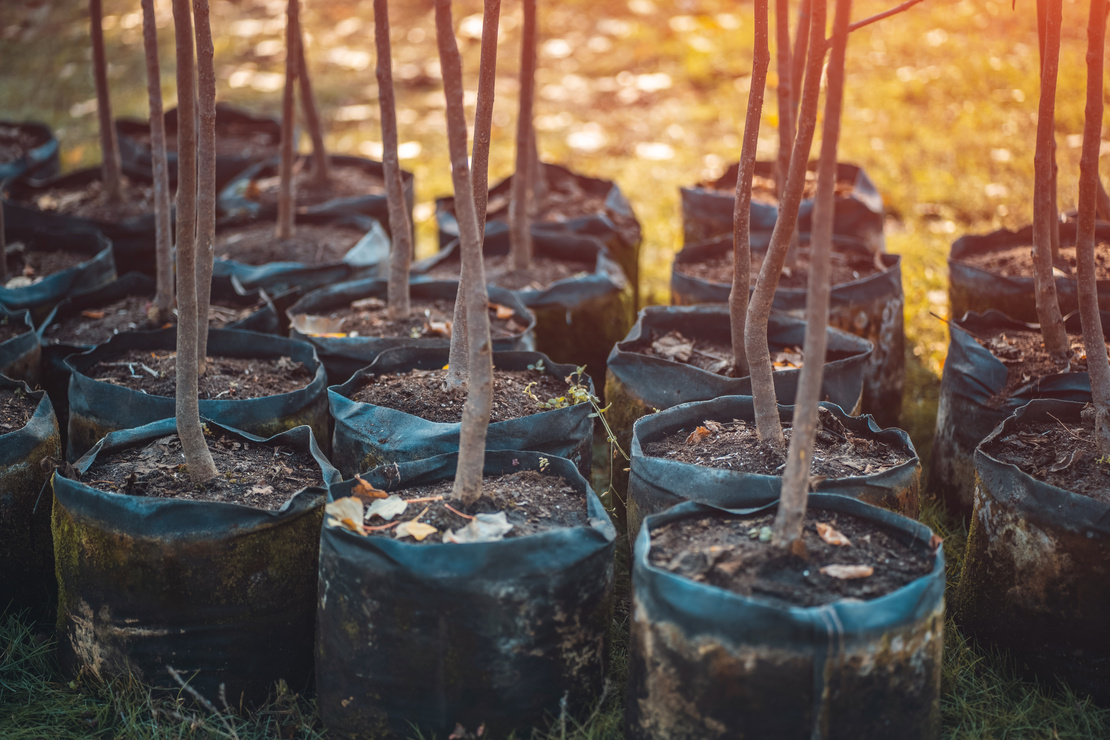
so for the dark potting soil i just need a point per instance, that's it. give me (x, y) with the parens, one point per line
(344, 181)
(229, 378)
(516, 393)
(734, 446)
(368, 317)
(233, 139)
(764, 191)
(133, 313)
(27, 267)
(16, 141)
(499, 271)
(1060, 453)
(1017, 261)
(844, 268)
(89, 201)
(16, 409)
(737, 555)
(11, 327)
(261, 476)
(1025, 358)
(532, 503)
(313, 244)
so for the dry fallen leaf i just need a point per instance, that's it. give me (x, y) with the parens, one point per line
(832, 535)
(262, 490)
(386, 508)
(346, 513)
(502, 312)
(90, 313)
(697, 435)
(482, 528)
(316, 326)
(712, 426)
(365, 491)
(438, 328)
(673, 346)
(848, 572)
(417, 530)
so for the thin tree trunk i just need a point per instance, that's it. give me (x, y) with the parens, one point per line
(768, 424)
(400, 253)
(1045, 219)
(111, 170)
(784, 68)
(286, 202)
(483, 129)
(479, 399)
(520, 228)
(312, 116)
(742, 211)
(198, 460)
(206, 175)
(799, 56)
(1098, 366)
(795, 478)
(1103, 202)
(1042, 28)
(163, 238)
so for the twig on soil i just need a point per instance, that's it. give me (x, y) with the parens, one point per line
(456, 511)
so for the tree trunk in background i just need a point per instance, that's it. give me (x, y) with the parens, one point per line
(400, 252)
(799, 456)
(1045, 218)
(742, 211)
(312, 115)
(785, 69)
(479, 399)
(286, 201)
(799, 56)
(111, 171)
(163, 238)
(768, 424)
(520, 232)
(1042, 26)
(1097, 365)
(206, 175)
(3, 250)
(198, 460)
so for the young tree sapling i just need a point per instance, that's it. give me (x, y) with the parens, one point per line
(110, 168)
(320, 167)
(162, 311)
(286, 200)
(522, 191)
(206, 174)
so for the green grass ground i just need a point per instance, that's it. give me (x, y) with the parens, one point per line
(940, 110)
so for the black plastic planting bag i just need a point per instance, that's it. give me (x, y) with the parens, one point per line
(132, 239)
(367, 436)
(623, 243)
(974, 289)
(264, 132)
(707, 209)
(97, 269)
(41, 161)
(236, 200)
(27, 576)
(1034, 577)
(344, 355)
(578, 319)
(222, 592)
(708, 663)
(97, 408)
(367, 258)
(871, 307)
(495, 634)
(970, 406)
(20, 355)
(657, 483)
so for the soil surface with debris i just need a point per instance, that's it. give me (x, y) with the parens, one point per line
(1026, 360)
(369, 317)
(11, 327)
(532, 503)
(844, 268)
(516, 393)
(90, 201)
(344, 181)
(1063, 454)
(737, 555)
(708, 354)
(134, 313)
(256, 243)
(16, 409)
(733, 445)
(16, 142)
(28, 267)
(544, 272)
(262, 476)
(1017, 261)
(227, 378)
(764, 190)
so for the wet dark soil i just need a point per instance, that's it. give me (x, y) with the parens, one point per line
(734, 445)
(133, 313)
(344, 181)
(736, 555)
(16, 409)
(90, 202)
(1025, 358)
(257, 244)
(544, 272)
(251, 474)
(844, 268)
(227, 378)
(27, 267)
(1017, 261)
(16, 142)
(368, 317)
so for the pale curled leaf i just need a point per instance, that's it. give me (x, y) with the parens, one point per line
(412, 528)
(848, 572)
(673, 346)
(386, 508)
(346, 513)
(832, 535)
(482, 528)
(501, 312)
(317, 325)
(261, 489)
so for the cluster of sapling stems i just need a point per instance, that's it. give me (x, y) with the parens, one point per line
(163, 236)
(111, 170)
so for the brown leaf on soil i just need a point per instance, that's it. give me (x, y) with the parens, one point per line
(832, 535)
(438, 328)
(366, 492)
(502, 312)
(673, 346)
(90, 313)
(848, 572)
(697, 435)
(712, 426)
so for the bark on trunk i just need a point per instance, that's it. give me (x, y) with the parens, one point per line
(1045, 219)
(795, 479)
(1098, 366)
(479, 399)
(198, 460)
(799, 56)
(400, 253)
(206, 175)
(312, 116)
(742, 211)
(520, 231)
(768, 424)
(1042, 27)
(111, 170)
(163, 238)
(785, 68)
(286, 202)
